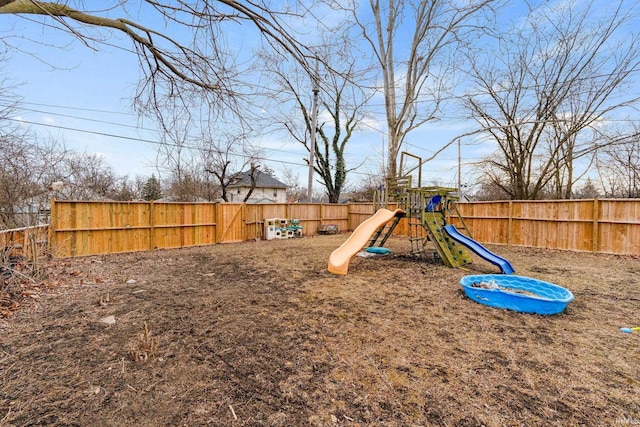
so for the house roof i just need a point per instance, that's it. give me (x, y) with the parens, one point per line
(243, 179)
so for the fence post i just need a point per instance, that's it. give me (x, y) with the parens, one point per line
(25, 242)
(596, 219)
(152, 224)
(510, 222)
(243, 213)
(53, 217)
(219, 225)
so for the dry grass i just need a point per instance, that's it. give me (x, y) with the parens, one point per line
(261, 334)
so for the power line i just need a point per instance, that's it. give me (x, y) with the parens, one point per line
(187, 146)
(75, 108)
(111, 135)
(84, 118)
(289, 152)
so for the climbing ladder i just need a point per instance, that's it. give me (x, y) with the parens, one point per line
(418, 236)
(384, 232)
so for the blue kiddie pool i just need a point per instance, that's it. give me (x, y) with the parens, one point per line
(517, 293)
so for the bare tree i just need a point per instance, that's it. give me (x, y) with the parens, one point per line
(253, 174)
(28, 169)
(368, 187)
(194, 185)
(414, 45)
(619, 166)
(341, 101)
(227, 156)
(18, 182)
(85, 177)
(124, 189)
(193, 53)
(543, 94)
(295, 191)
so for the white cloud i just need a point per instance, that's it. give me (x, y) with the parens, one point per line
(48, 120)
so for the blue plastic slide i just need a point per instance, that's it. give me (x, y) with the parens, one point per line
(504, 265)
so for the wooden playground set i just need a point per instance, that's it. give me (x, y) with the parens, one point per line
(427, 209)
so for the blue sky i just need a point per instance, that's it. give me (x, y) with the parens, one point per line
(83, 97)
(90, 91)
(79, 88)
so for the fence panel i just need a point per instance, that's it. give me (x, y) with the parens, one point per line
(618, 226)
(256, 214)
(608, 226)
(25, 242)
(333, 214)
(488, 222)
(309, 214)
(358, 213)
(89, 228)
(176, 225)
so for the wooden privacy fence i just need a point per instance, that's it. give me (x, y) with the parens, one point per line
(81, 228)
(607, 226)
(90, 228)
(28, 242)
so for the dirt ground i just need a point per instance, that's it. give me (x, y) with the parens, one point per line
(260, 334)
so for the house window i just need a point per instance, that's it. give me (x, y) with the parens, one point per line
(275, 192)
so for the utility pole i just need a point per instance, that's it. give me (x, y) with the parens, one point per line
(314, 124)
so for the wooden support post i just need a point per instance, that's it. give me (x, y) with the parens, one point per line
(596, 217)
(243, 216)
(219, 225)
(152, 224)
(25, 242)
(509, 228)
(53, 218)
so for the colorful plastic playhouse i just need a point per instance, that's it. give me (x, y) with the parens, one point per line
(278, 228)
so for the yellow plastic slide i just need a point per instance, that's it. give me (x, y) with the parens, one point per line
(339, 259)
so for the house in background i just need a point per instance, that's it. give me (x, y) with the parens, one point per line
(267, 189)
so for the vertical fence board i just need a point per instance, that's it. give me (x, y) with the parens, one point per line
(358, 213)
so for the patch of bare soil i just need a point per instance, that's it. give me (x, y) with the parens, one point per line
(260, 334)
